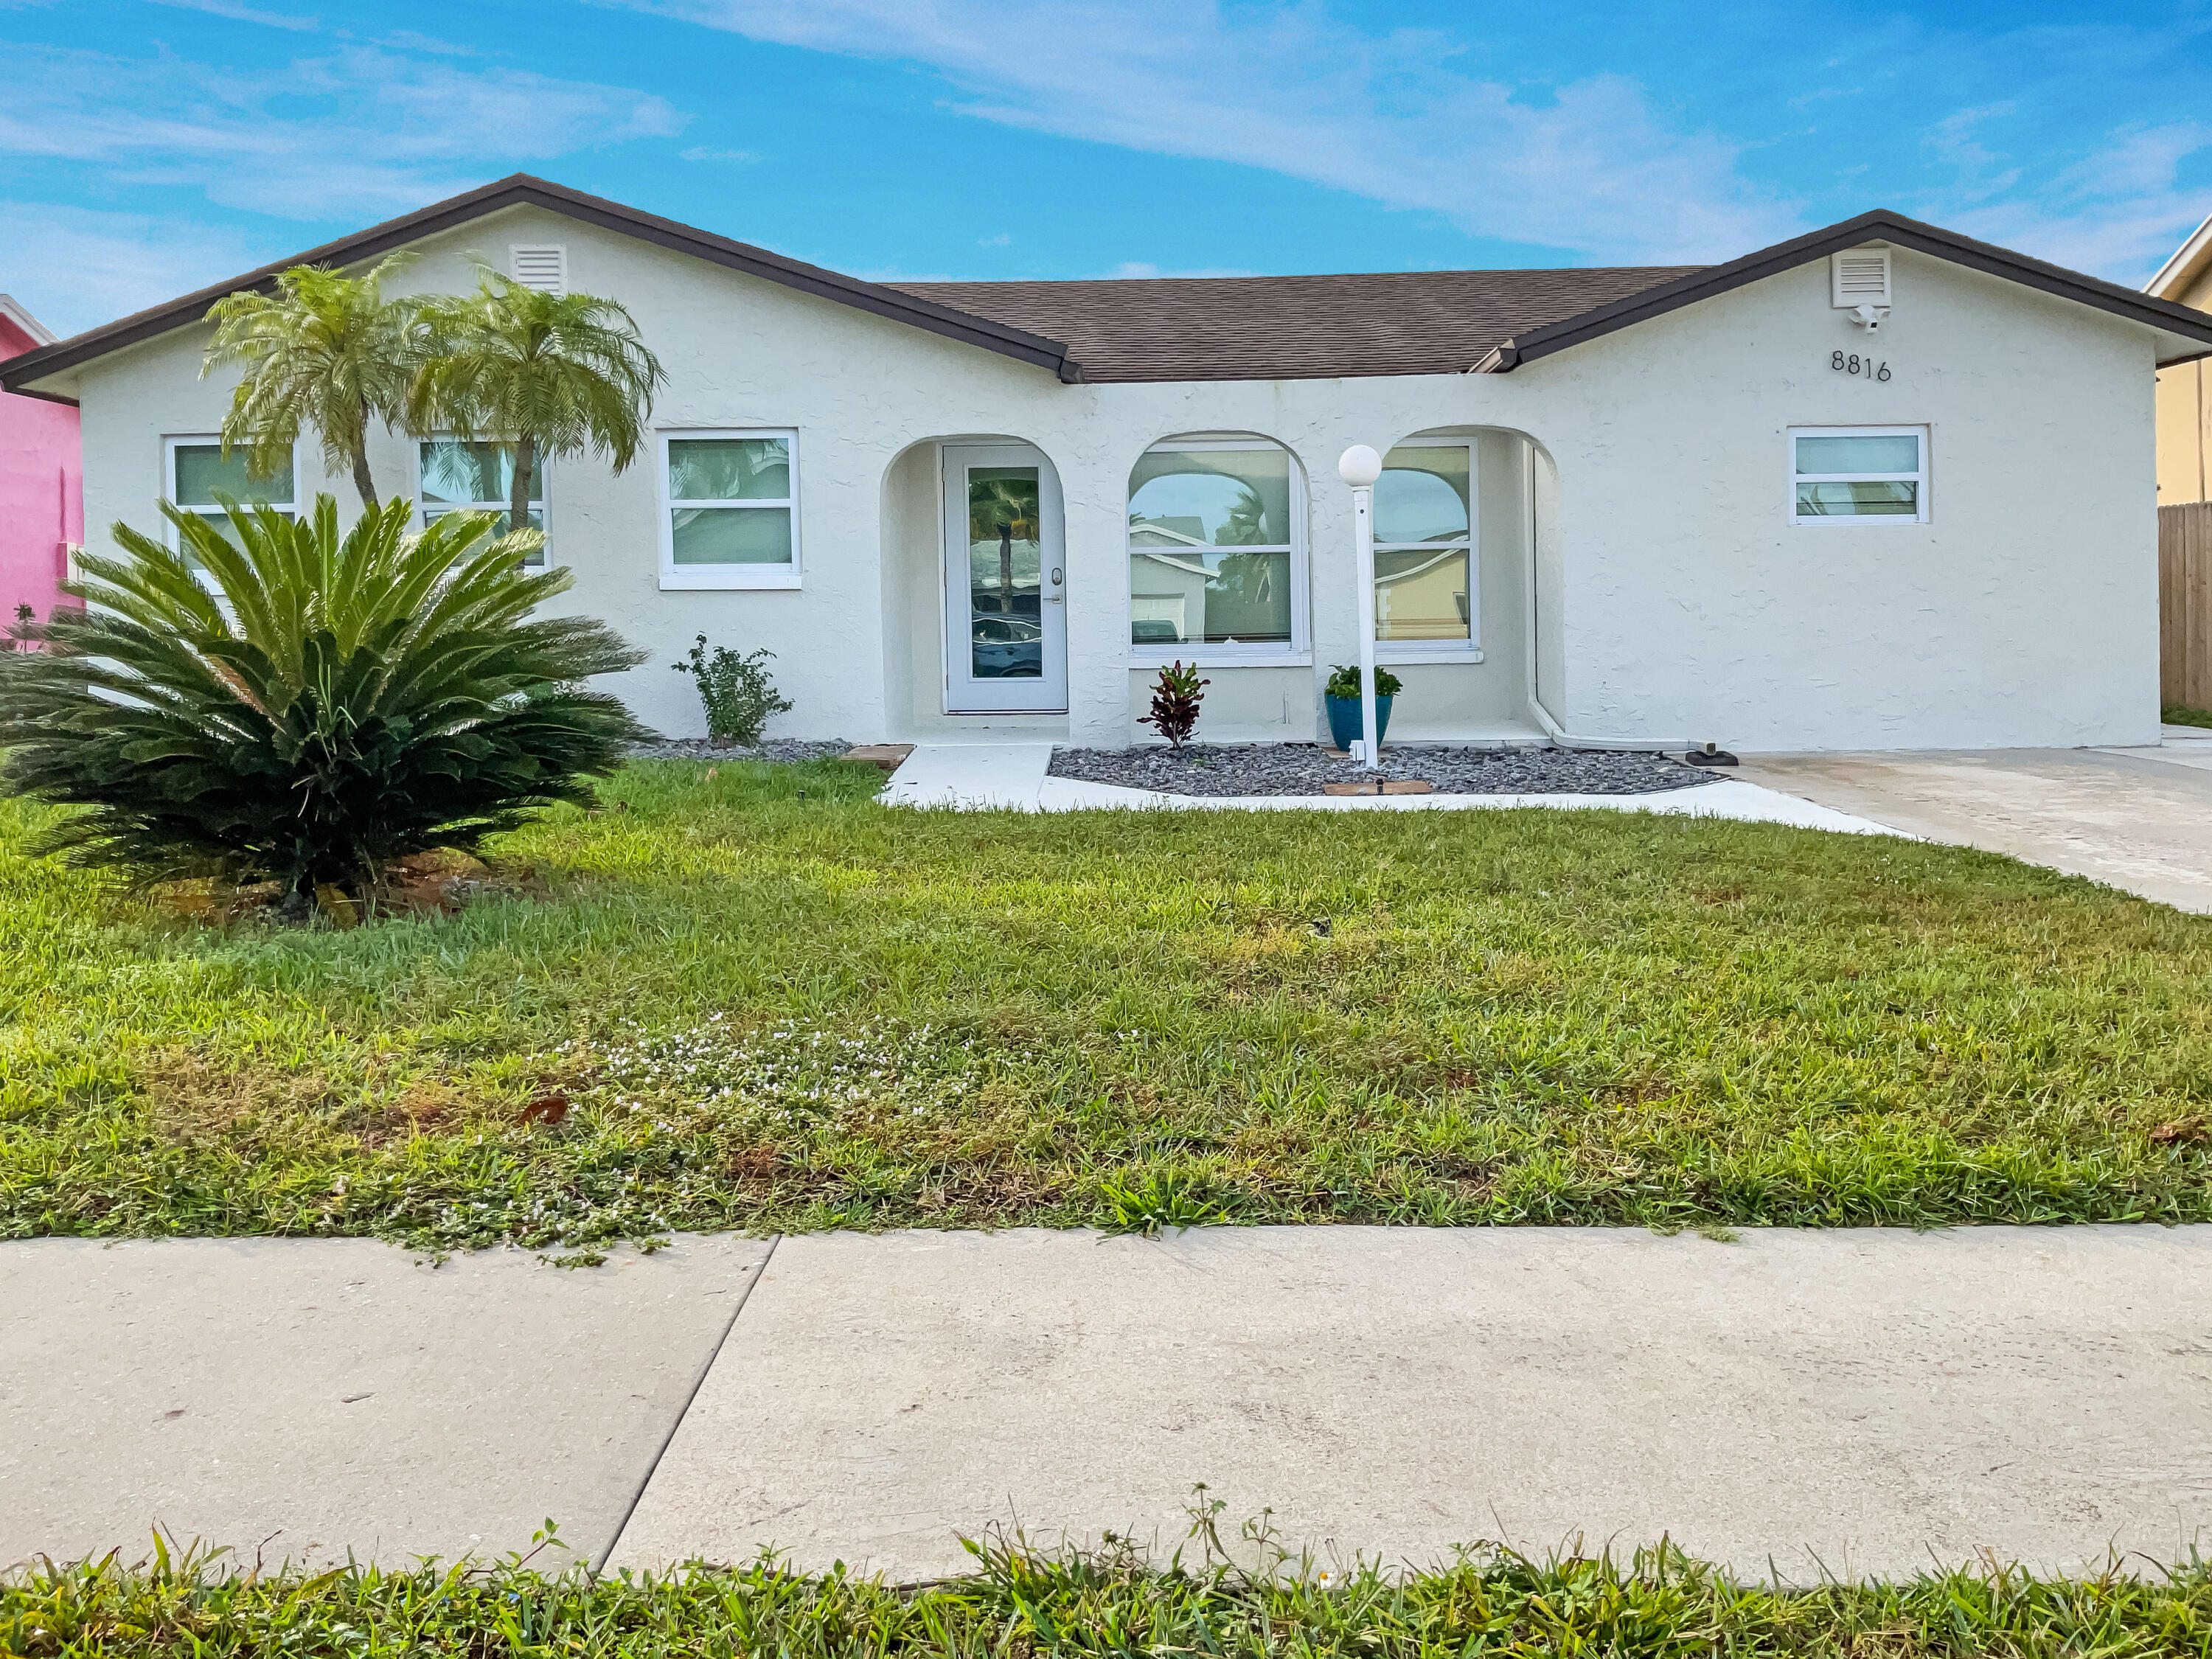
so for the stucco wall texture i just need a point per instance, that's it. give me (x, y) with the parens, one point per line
(41, 491)
(1636, 558)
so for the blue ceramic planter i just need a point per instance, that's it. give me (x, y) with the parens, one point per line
(1344, 720)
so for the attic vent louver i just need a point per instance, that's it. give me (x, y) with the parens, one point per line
(1858, 277)
(545, 269)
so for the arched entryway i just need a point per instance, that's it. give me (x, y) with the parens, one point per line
(975, 588)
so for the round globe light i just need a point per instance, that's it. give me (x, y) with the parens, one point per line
(1359, 467)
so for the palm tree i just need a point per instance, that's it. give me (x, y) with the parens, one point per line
(325, 350)
(551, 373)
(282, 703)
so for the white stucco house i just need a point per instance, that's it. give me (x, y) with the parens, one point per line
(1878, 487)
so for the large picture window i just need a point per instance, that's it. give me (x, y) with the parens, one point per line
(1845, 474)
(198, 471)
(461, 476)
(1216, 551)
(729, 517)
(1425, 557)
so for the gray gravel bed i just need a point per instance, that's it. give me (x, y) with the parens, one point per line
(776, 749)
(1301, 768)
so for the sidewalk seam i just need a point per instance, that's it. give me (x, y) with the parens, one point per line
(684, 1410)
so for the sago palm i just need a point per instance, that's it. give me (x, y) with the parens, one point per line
(306, 708)
(551, 373)
(325, 351)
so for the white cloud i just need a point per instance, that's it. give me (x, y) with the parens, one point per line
(241, 13)
(2120, 212)
(1391, 117)
(382, 131)
(701, 153)
(1144, 270)
(74, 268)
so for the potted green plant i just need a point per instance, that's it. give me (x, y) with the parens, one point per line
(1343, 700)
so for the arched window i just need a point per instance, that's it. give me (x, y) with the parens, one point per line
(1217, 550)
(1425, 558)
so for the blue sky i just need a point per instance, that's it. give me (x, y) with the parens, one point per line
(151, 146)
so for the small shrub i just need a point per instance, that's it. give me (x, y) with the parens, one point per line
(1345, 681)
(285, 705)
(1176, 697)
(738, 694)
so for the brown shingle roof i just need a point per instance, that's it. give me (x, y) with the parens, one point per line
(1190, 328)
(1286, 328)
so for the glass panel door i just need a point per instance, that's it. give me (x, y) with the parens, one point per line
(1006, 582)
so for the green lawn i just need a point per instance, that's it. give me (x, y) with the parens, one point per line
(1110, 1606)
(770, 1011)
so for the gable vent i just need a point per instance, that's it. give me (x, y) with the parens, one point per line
(545, 269)
(1859, 276)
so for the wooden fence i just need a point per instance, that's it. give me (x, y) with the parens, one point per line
(2184, 604)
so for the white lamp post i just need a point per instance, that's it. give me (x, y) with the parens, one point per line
(1360, 466)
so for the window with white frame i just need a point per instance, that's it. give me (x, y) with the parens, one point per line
(729, 515)
(198, 471)
(1424, 551)
(461, 474)
(1217, 550)
(1852, 474)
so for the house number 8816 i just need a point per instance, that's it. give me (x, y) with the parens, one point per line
(1850, 362)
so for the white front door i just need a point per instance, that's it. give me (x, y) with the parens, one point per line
(1006, 582)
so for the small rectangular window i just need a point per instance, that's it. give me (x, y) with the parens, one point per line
(198, 471)
(731, 514)
(1214, 550)
(1425, 591)
(1844, 473)
(458, 475)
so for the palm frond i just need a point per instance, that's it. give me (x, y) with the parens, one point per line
(284, 702)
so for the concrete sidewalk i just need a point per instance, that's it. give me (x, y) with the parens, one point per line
(335, 1395)
(1865, 1401)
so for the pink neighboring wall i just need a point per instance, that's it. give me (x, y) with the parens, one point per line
(41, 485)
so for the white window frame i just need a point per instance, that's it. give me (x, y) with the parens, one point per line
(1400, 653)
(171, 442)
(694, 578)
(541, 477)
(1862, 519)
(1267, 653)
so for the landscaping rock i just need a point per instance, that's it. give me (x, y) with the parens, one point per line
(1307, 769)
(785, 749)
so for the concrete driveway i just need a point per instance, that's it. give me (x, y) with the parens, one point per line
(2139, 819)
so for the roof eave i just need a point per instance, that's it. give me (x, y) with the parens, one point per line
(2173, 321)
(522, 189)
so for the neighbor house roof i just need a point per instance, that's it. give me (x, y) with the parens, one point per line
(33, 330)
(2192, 259)
(1201, 328)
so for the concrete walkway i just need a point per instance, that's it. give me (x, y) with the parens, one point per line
(1014, 775)
(2139, 819)
(1861, 1399)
